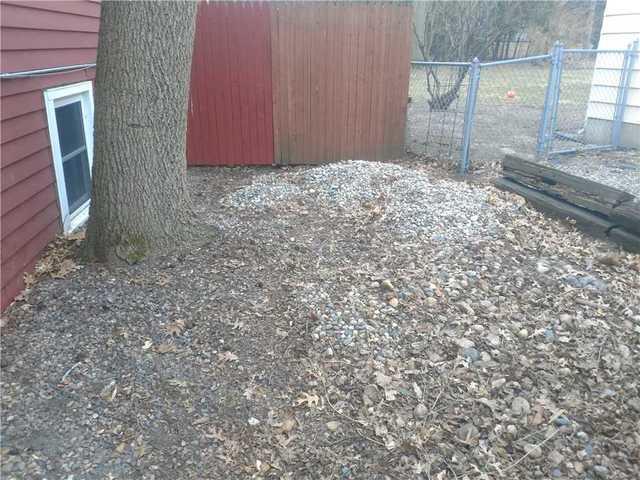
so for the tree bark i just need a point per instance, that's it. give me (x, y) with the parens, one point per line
(139, 200)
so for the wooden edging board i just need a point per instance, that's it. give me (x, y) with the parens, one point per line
(603, 211)
(571, 188)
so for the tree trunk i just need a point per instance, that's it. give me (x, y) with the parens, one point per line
(441, 97)
(139, 200)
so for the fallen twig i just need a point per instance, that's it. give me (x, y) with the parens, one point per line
(66, 374)
(529, 452)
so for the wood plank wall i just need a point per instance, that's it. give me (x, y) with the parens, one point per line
(340, 80)
(230, 120)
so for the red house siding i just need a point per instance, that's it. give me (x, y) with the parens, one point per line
(34, 35)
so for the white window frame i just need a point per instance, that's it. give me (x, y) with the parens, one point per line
(57, 97)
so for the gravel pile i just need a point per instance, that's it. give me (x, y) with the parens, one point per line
(263, 195)
(350, 184)
(399, 199)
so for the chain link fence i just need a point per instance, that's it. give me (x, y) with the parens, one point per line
(588, 89)
(507, 103)
(547, 106)
(437, 99)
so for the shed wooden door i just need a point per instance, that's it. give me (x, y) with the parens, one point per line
(230, 107)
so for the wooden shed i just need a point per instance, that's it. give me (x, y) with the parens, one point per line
(298, 82)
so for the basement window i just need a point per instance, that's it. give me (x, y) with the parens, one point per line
(70, 118)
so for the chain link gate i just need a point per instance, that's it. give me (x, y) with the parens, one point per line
(585, 101)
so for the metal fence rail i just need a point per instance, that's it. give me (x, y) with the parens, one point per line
(568, 101)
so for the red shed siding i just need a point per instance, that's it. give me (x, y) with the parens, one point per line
(34, 35)
(230, 105)
(341, 77)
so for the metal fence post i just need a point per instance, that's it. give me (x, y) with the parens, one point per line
(469, 115)
(555, 102)
(550, 95)
(623, 92)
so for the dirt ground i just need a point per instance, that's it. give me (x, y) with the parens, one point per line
(353, 321)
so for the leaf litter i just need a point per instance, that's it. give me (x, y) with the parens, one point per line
(355, 320)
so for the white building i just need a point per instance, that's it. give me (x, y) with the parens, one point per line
(620, 27)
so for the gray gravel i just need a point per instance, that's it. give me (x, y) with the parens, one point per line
(618, 169)
(406, 201)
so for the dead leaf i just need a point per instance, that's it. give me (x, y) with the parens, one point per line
(136, 280)
(417, 391)
(175, 328)
(165, 348)
(109, 392)
(380, 429)
(492, 404)
(333, 426)
(383, 380)
(538, 414)
(29, 280)
(140, 451)
(288, 425)
(45, 265)
(284, 440)
(227, 357)
(311, 400)
(65, 268)
(262, 467)
(76, 236)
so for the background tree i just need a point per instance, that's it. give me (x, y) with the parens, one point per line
(139, 198)
(462, 30)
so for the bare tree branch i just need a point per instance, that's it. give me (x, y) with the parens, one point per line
(463, 30)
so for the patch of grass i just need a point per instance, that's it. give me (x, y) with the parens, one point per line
(528, 82)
